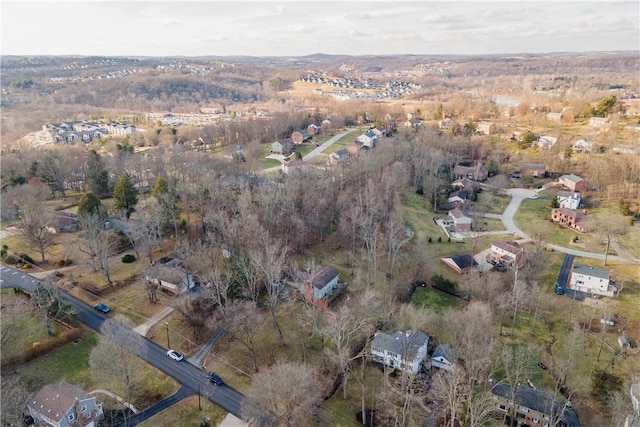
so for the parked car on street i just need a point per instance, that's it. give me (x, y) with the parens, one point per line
(175, 355)
(102, 307)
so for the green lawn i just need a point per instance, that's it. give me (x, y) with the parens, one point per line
(187, 413)
(434, 299)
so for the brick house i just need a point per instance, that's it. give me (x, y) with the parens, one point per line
(508, 253)
(300, 136)
(536, 170)
(531, 407)
(569, 218)
(574, 182)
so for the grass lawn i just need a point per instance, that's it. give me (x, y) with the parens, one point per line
(434, 299)
(187, 413)
(180, 334)
(491, 203)
(69, 362)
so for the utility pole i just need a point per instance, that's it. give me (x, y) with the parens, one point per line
(168, 343)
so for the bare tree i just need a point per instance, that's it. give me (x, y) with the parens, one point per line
(35, 221)
(246, 322)
(286, 394)
(608, 228)
(115, 357)
(97, 243)
(14, 309)
(48, 300)
(14, 399)
(271, 260)
(448, 389)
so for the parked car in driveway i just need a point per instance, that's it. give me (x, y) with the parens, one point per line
(559, 290)
(175, 355)
(215, 379)
(102, 307)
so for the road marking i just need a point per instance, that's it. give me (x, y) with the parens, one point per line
(15, 272)
(23, 276)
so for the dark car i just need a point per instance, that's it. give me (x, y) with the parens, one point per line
(559, 290)
(215, 379)
(102, 307)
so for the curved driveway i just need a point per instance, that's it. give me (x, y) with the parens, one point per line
(520, 194)
(191, 377)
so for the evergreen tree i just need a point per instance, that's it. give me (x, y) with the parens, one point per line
(97, 176)
(90, 204)
(160, 187)
(124, 196)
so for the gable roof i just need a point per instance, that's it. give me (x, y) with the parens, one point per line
(573, 178)
(322, 276)
(456, 213)
(461, 261)
(54, 400)
(536, 400)
(405, 343)
(569, 194)
(511, 247)
(590, 271)
(446, 351)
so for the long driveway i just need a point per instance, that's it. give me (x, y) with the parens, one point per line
(191, 377)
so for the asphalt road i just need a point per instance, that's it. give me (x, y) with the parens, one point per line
(191, 377)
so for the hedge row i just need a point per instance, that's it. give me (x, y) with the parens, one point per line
(43, 348)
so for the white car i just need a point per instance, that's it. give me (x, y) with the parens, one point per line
(535, 196)
(175, 355)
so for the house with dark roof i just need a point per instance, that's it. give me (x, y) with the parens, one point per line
(64, 405)
(531, 407)
(368, 139)
(460, 263)
(471, 170)
(339, 156)
(536, 170)
(404, 350)
(284, 147)
(444, 357)
(571, 218)
(591, 280)
(322, 287)
(300, 136)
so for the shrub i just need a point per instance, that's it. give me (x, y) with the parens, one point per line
(430, 240)
(128, 258)
(26, 259)
(65, 262)
(439, 239)
(3, 251)
(11, 260)
(44, 348)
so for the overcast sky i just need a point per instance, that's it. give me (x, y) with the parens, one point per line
(266, 28)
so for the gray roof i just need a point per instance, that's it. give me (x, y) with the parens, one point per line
(322, 276)
(54, 400)
(572, 194)
(537, 400)
(572, 178)
(447, 351)
(405, 343)
(590, 271)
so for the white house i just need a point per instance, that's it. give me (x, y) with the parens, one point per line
(64, 405)
(582, 146)
(368, 139)
(405, 350)
(444, 357)
(591, 280)
(546, 141)
(486, 128)
(508, 253)
(569, 199)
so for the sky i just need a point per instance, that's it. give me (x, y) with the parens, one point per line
(295, 28)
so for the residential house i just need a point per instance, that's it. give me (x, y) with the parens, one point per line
(300, 136)
(444, 357)
(413, 123)
(531, 407)
(461, 222)
(445, 123)
(466, 184)
(486, 128)
(555, 117)
(283, 147)
(380, 131)
(368, 139)
(471, 170)
(339, 156)
(64, 222)
(582, 146)
(171, 276)
(456, 199)
(591, 280)
(569, 199)
(322, 287)
(534, 169)
(354, 148)
(294, 165)
(570, 218)
(600, 122)
(461, 264)
(314, 129)
(64, 405)
(546, 141)
(574, 182)
(405, 350)
(414, 116)
(508, 253)
(624, 341)
(326, 125)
